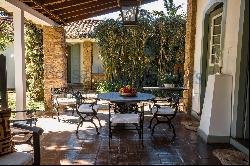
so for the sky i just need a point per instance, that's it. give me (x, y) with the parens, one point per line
(157, 5)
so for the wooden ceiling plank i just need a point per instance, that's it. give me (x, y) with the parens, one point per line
(84, 9)
(68, 5)
(53, 2)
(86, 16)
(37, 3)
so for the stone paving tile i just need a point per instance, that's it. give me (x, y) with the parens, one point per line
(60, 145)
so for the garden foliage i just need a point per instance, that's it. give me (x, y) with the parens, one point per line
(144, 55)
(34, 61)
(33, 55)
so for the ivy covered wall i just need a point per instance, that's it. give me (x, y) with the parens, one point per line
(33, 54)
(34, 61)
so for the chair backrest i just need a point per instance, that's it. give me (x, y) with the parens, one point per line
(61, 92)
(79, 98)
(175, 99)
(133, 109)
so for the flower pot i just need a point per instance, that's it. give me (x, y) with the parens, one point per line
(169, 85)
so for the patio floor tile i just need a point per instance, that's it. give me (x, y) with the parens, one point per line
(60, 144)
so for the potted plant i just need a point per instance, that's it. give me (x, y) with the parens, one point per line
(169, 81)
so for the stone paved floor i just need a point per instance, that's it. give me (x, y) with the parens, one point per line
(61, 146)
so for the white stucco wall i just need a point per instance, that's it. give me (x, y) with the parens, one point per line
(231, 31)
(231, 41)
(10, 65)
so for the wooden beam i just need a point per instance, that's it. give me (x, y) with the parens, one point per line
(86, 8)
(53, 2)
(30, 13)
(37, 3)
(91, 14)
(69, 4)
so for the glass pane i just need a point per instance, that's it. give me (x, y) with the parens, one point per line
(217, 30)
(129, 13)
(212, 58)
(217, 21)
(217, 58)
(216, 39)
(216, 49)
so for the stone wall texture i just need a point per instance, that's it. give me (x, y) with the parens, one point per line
(87, 64)
(55, 62)
(189, 54)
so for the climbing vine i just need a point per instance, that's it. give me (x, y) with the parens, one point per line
(34, 61)
(6, 31)
(33, 54)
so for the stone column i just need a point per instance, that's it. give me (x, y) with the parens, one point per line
(87, 64)
(189, 54)
(55, 62)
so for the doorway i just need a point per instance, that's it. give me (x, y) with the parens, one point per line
(212, 55)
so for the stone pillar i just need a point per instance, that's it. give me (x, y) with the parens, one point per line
(189, 54)
(19, 52)
(55, 62)
(87, 64)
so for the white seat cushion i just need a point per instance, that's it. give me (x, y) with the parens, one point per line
(16, 158)
(66, 101)
(163, 110)
(87, 108)
(125, 118)
(161, 103)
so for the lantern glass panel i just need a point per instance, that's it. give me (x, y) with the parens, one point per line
(129, 13)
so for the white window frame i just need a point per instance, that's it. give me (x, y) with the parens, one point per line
(211, 41)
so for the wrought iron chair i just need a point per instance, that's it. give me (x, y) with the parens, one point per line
(86, 108)
(20, 158)
(30, 119)
(133, 116)
(62, 97)
(166, 110)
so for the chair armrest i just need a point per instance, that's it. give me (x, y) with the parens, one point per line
(36, 131)
(30, 117)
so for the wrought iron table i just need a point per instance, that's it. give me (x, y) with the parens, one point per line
(125, 103)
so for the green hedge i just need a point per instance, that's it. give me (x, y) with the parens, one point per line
(144, 55)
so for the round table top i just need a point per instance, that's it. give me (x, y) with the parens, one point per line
(116, 97)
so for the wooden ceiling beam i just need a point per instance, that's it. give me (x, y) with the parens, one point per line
(54, 17)
(54, 2)
(91, 14)
(69, 4)
(87, 8)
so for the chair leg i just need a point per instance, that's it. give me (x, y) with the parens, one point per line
(152, 133)
(95, 126)
(98, 121)
(80, 123)
(173, 129)
(142, 136)
(139, 133)
(151, 122)
(58, 114)
(110, 133)
(169, 125)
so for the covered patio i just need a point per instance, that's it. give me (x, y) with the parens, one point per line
(60, 144)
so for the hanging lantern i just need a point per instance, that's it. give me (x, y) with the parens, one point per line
(129, 11)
